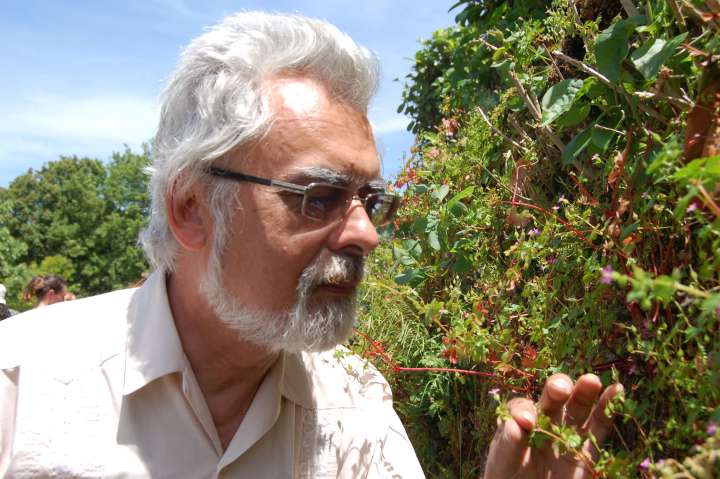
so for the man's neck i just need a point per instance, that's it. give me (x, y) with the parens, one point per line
(229, 371)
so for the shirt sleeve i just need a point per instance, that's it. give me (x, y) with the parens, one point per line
(8, 405)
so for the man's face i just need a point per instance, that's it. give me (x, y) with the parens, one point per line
(277, 263)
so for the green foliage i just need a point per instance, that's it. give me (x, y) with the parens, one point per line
(78, 218)
(573, 233)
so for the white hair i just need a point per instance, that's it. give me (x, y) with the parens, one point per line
(215, 103)
(307, 325)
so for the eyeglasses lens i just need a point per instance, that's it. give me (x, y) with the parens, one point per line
(328, 203)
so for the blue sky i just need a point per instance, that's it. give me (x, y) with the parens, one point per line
(83, 77)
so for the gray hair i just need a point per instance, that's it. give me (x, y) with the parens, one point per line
(215, 103)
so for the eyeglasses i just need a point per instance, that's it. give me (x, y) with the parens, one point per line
(326, 202)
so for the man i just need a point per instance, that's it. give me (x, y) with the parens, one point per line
(266, 194)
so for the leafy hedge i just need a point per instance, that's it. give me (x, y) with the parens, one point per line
(560, 214)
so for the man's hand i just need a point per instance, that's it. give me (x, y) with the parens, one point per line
(581, 406)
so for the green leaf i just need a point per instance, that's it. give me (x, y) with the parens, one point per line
(462, 264)
(558, 99)
(441, 192)
(412, 277)
(577, 145)
(653, 54)
(455, 200)
(664, 289)
(613, 45)
(575, 115)
(601, 138)
(402, 256)
(704, 170)
(434, 240)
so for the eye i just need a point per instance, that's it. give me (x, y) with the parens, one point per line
(323, 201)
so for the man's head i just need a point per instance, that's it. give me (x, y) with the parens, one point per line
(272, 98)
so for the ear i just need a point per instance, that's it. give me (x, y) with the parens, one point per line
(188, 217)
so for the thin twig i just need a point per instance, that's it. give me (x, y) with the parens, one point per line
(562, 77)
(707, 199)
(498, 132)
(689, 7)
(534, 108)
(678, 15)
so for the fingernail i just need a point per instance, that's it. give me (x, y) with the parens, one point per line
(561, 389)
(529, 417)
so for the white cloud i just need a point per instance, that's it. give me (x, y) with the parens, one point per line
(390, 125)
(93, 118)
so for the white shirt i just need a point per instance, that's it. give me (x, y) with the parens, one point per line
(101, 387)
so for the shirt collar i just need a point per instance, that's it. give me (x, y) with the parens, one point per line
(153, 348)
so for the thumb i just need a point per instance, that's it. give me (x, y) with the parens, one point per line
(509, 447)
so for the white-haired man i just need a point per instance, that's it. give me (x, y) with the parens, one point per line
(266, 195)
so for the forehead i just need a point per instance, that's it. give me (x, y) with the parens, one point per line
(310, 131)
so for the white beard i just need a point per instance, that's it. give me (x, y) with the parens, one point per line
(308, 325)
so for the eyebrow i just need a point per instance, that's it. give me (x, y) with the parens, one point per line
(316, 174)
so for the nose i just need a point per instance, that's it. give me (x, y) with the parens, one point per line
(355, 234)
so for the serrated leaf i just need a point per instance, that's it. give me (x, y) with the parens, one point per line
(558, 99)
(704, 170)
(652, 55)
(613, 45)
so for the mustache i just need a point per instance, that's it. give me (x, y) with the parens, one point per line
(335, 268)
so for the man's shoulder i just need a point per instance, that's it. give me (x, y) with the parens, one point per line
(85, 329)
(338, 378)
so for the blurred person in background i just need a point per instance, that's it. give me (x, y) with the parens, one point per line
(46, 290)
(4, 310)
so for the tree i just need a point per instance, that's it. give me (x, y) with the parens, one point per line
(79, 214)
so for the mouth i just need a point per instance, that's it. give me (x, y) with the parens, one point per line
(344, 289)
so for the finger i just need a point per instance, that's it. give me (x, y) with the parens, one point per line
(583, 398)
(599, 423)
(556, 392)
(509, 447)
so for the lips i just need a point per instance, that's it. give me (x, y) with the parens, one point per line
(338, 288)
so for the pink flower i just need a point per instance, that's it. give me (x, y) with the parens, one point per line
(606, 275)
(534, 232)
(645, 465)
(494, 392)
(711, 429)
(691, 208)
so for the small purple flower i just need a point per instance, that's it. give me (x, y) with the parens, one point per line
(534, 232)
(691, 208)
(645, 465)
(551, 259)
(606, 275)
(494, 392)
(711, 429)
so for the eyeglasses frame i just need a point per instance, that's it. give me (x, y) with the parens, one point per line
(299, 189)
